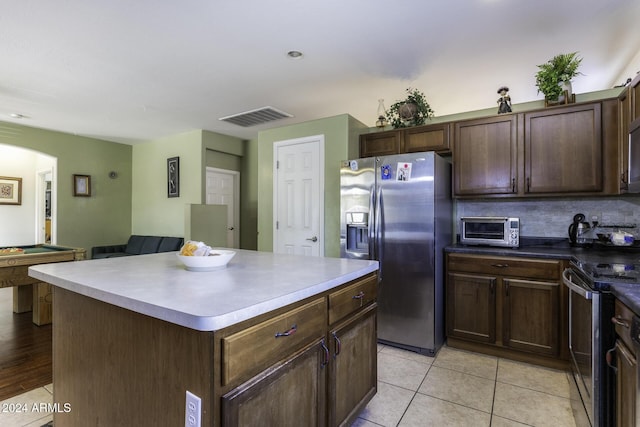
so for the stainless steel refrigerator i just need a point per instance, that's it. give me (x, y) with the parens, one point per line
(398, 210)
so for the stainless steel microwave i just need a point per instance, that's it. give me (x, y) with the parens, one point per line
(490, 231)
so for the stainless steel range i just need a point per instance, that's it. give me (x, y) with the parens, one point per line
(591, 306)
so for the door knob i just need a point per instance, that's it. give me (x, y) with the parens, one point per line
(313, 239)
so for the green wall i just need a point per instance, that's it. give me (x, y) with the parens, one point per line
(103, 218)
(152, 211)
(340, 133)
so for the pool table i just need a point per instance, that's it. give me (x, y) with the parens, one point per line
(30, 294)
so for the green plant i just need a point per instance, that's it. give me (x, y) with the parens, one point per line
(414, 110)
(560, 68)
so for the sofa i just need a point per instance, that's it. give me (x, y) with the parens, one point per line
(138, 245)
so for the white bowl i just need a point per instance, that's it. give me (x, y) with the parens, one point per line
(218, 261)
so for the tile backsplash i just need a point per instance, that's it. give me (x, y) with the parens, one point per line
(550, 217)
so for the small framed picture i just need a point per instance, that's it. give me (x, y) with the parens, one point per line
(173, 177)
(82, 185)
(10, 190)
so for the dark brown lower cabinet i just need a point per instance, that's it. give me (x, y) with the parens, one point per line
(283, 395)
(471, 307)
(507, 306)
(353, 366)
(626, 365)
(531, 316)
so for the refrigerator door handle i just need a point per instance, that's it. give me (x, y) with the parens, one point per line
(371, 224)
(379, 218)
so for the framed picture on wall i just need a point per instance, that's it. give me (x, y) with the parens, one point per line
(173, 177)
(82, 185)
(10, 190)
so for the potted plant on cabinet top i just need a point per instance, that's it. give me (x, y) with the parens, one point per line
(554, 78)
(413, 111)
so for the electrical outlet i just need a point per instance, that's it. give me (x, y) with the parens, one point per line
(192, 413)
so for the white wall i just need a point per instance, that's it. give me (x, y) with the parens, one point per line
(17, 222)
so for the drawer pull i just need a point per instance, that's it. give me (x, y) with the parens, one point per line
(291, 331)
(500, 265)
(338, 345)
(609, 358)
(359, 296)
(618, 320)
(325, 350)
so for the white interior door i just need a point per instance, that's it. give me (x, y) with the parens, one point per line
(299, 196)
(223, 188)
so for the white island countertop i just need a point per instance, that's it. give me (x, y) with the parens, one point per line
(158, 285)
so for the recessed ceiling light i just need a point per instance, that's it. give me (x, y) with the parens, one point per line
(295, 54)
(16, 116)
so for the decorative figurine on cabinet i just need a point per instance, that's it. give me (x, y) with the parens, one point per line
(504, 102)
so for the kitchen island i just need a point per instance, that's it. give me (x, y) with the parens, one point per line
(270, 340)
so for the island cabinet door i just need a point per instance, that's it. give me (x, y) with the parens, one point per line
(291, 393)
(352, 366)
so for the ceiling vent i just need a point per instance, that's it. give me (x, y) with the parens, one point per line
(256, 117)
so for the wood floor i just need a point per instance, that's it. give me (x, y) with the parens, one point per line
(25, 350)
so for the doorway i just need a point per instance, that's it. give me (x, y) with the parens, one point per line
(44, 207)
(298, 207)
(223, 188)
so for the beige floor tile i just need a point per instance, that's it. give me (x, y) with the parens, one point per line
(429, 411)
(537, 378)
(387, 406)
(467, 362)
(26, 408)
(503, 422)
(401, 372)
(458, 387)
(532, 407)
(406, 354)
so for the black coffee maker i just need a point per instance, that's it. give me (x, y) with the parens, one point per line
(579, 232)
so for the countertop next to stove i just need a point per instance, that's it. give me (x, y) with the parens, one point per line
(628, 293)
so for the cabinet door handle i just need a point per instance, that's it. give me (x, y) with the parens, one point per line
(513, 185)
(359, 296)
(492, 286)
(609, 358)
(325, 351)
(500, 265)
(506, 289)
(291, 331)
(618, 320)
(528, 184)
(338, 345)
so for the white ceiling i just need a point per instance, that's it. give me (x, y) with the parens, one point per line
(130, 71)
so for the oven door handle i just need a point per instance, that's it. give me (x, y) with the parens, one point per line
(579, 288)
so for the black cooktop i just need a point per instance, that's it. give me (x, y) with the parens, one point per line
(608, 267)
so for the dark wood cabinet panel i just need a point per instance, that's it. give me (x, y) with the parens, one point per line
(507, 306)
(485, 156)
(289, 394)
(625, 399)
(531, 316)
(624, 119)
(564, 150)
(471, 307)
(380, 144)
(427, 138)
(353, 368)
(626, 365)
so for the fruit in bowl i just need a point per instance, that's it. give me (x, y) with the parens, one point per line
(216, 260)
